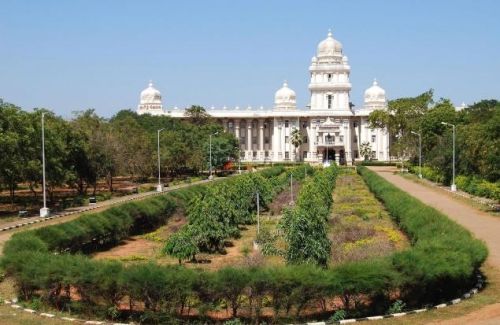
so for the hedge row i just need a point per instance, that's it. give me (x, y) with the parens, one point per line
(444, 255)
(479, 187)
(440, 263)
(305, 226)
(107, 228)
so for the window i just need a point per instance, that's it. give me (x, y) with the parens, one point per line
(374, 154)
(304, 154)
(329, 77)
(304, 125)
(355, 139)
(329, 97)
(230, 125)
(254, 154)
(242, 140)
(356, 155)
(355, 124)
(374, 137)
(266, 140)
(341, 138)
(254, 140)
(304, 140)
(265, 125)
(287, 155)
(266, 154)
(286, 139)
(286, 123)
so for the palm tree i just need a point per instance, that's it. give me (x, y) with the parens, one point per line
(365, 150)
(296, 140)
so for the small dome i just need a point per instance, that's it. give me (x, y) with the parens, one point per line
(150, 95)
(314, 59)
(375, 94)
(285, 97)
(329, 46)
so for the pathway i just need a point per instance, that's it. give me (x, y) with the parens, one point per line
(7, 229)
(481, 224)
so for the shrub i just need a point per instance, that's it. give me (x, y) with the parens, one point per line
(304, 226)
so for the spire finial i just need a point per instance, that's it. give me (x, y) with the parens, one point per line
(330, 32)
(375, 81)
(285, 83)
(150, 83)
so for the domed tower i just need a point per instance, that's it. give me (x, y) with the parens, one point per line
(375, 97)
(330, 85)
(285, 98)
(150, 101)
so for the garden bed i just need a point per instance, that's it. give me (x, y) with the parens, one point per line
(440, 264)
(360, 226)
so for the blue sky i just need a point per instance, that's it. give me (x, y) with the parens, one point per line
(73, 55)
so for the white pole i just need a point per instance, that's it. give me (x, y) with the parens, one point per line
(239, 160)
(258, 214)
(420, 155)
(210, 150)
(44, 212)
(159, 188)
(210, 162)
(453, 186)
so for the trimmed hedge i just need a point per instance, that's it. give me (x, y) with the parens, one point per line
(444, 255)
(439, 265)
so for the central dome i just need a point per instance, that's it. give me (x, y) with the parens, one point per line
(150, 95)
(329, 46)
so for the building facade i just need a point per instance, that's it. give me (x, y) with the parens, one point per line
(330, 127)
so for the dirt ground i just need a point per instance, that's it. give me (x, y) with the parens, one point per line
(238, 252)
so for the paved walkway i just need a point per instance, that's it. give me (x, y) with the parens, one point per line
(7, 229)
(483, 225)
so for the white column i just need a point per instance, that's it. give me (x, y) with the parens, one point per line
(280, 141)
(249, 139)
(261, 139)
(348, 143)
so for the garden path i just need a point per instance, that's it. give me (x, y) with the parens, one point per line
(481, 224)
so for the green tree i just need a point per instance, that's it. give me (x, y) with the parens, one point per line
(365, 150)
(296, 140)
(182, 246)
(197, 115)
(402, 116)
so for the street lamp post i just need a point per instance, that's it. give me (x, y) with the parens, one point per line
(453, 185)
(258, 213)
(44, 212)
(210, 162)
(239, 160)
(159, 187)
(419, 153)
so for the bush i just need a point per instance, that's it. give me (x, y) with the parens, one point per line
(305, 226)
(443, 252)
(441, 263)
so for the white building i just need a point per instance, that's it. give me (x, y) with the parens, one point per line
(331, 128)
